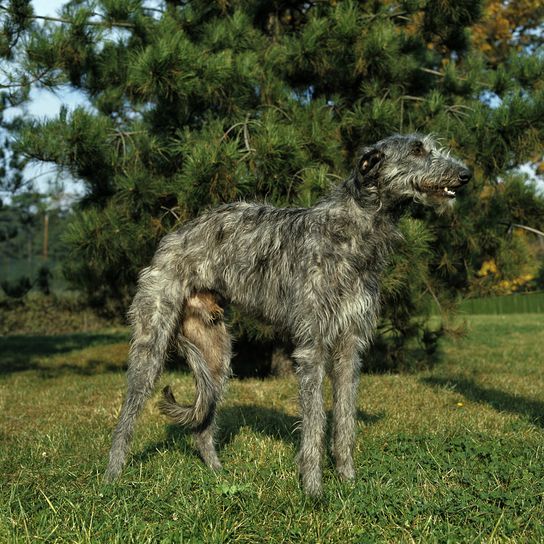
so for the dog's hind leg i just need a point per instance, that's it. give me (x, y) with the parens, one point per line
(204, 340)
(154, 315)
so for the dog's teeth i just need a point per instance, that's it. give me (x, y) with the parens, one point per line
(449, 192)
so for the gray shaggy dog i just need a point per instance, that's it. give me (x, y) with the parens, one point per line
(313, 273)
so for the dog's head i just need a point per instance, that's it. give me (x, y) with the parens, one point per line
(412, 167)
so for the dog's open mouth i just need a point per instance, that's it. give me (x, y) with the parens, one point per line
(441, 192)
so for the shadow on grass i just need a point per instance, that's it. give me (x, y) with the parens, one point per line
(231, 419)
(500, 400)
(25, 352)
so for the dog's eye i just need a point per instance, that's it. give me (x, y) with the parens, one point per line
(418, 149)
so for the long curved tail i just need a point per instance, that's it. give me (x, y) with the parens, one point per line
(204, 341)
(207, 395)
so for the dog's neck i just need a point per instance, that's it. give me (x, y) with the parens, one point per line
(366, 194)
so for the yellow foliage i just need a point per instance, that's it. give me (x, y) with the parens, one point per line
(499, 28)
(503, 287)
(487, 192)
(507, 287)
(488, 267)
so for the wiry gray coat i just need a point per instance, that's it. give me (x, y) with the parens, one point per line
(311, 272)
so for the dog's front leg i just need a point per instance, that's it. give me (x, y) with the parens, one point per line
(345, 378)
(311, 371)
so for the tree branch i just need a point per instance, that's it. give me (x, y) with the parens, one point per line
(442, 74)
(119, 24)
(24, 84)
(530, 229)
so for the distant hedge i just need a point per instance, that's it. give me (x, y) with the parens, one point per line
(54, 314)
(518, 303)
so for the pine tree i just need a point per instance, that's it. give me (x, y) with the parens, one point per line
(203, 102)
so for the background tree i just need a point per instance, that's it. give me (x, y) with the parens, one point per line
(31, 247)
(509, 28)
(202, 102)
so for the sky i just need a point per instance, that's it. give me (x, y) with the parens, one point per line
(46, 104)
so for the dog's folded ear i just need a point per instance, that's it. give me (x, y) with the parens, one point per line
(370, 158)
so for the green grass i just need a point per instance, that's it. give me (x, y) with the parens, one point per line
(451, 454)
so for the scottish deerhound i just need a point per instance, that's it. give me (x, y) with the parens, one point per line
(311, 272)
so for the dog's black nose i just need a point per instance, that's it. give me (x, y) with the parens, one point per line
(464, 176)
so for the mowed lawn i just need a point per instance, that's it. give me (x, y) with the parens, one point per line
(451, 454)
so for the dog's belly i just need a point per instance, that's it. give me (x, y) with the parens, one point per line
(269, 301)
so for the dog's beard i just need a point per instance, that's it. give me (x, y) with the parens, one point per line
(440, 204)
